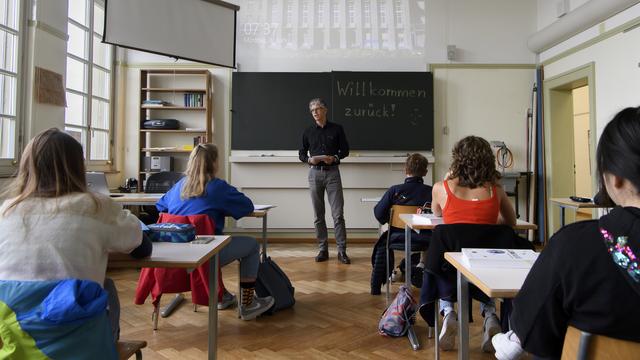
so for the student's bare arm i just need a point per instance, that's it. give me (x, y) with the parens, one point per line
(507, 213)
(438, 197)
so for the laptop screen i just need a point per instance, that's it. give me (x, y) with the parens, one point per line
(97, 182)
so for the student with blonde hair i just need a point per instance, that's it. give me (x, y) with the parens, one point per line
(53, 228)
(201, 192)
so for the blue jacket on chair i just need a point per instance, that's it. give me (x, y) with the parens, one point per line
(55, 319)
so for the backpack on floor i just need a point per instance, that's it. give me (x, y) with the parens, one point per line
(272, 281)
(402, 312)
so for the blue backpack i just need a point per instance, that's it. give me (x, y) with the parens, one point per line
(170, 232)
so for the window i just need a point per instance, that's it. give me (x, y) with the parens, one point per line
(397, 12)
(89, 81)
(320, 13)
(382, 12)
(305, 14)
(351, 11)
(366, 10)
(335, 12)
(11, 31)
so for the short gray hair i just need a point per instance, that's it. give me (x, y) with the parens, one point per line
(317, 101)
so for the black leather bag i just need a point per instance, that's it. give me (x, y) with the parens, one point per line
(161, 124)
(272, 281)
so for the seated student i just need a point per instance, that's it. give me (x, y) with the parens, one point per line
(412, 192)
(588, 276)
(471, 193)
(200, 192)
(53, 228)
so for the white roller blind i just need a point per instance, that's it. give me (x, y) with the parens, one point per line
(198, 30)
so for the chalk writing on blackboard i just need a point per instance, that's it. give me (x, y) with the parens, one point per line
(368, 88)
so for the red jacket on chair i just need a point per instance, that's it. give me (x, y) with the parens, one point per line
(167, 280)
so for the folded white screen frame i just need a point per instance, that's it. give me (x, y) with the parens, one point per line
(197, 30)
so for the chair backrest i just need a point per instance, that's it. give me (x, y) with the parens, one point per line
(581, 345)
(161, 182)
(397, 210)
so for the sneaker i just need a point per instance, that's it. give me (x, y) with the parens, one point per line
(507, 346)
(490, 327)
(447, 337)
(228, 300)
(258, 306)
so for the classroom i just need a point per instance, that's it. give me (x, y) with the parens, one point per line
(196, 140)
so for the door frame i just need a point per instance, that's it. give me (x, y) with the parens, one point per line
(552, 87)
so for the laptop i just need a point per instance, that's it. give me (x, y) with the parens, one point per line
(97, 182)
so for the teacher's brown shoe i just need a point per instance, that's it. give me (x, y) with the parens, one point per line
(343, 258)
(323, 255)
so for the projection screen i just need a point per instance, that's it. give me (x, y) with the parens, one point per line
(197, 30)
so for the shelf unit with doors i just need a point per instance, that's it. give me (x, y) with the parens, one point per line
(183, 95)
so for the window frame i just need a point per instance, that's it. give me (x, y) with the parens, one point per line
(8, 166)
(88, 129)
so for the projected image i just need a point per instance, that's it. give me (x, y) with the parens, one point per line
(364, 26)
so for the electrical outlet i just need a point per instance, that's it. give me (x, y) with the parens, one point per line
(445, 130)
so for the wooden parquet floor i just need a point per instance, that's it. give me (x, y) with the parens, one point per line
(335, 317)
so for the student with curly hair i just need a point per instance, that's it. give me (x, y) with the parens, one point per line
(471, 194)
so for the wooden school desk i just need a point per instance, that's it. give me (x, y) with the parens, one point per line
(564, 203)
(187, 256)
(132, 199)
(411, 223)
(494, 282)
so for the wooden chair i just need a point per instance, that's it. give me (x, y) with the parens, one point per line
(126, 349)
(581, 345)
(394, 221)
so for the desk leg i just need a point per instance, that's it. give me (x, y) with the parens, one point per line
(561, 216)
(213, 307)
(411, 334)
(264, 237)
(463, 320)
(436, 326)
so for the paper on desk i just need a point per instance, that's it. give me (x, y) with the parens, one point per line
(262, 207)
(426, 219)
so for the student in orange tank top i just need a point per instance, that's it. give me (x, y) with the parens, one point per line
(471, 193)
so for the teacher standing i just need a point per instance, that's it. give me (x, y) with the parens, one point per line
(324, 144)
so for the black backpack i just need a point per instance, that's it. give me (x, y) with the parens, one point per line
(272, 281)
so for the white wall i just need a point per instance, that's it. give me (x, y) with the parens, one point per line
(488, 31)
(547, 13)
(617, 74)
(48, 46)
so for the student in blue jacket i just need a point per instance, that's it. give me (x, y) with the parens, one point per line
(201, 192)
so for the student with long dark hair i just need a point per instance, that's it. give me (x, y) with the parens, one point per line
(588, 276)
(53, 228)
(201, 192)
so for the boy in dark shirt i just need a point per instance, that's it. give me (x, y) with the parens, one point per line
(412, 192)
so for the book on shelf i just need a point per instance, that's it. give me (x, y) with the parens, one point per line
(193, 100)
(197, 140)
(155, 103)
(498, 258)
(166, 148)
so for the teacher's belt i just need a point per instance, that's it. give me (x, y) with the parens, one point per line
(324, 167)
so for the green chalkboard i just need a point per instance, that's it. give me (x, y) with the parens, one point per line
(378, 110)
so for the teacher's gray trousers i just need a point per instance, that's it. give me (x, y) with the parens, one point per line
(321, 180)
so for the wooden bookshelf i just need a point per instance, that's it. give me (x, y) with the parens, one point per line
(171, 86)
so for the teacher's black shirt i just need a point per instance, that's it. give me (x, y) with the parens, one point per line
(327, 140)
